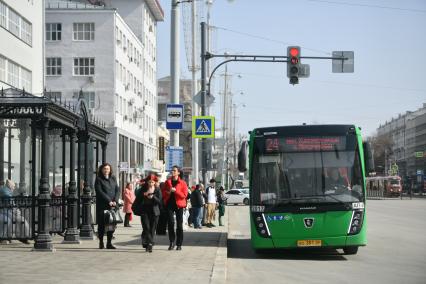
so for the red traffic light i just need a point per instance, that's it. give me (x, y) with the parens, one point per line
(294, 52)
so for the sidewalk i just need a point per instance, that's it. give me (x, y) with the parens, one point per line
(202, 260)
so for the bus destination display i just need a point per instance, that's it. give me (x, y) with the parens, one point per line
(303, 144)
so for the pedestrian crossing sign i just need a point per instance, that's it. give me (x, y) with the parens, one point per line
(203, 127)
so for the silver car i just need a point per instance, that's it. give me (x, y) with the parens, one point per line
(238, 196)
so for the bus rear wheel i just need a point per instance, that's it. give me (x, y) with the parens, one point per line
(350, 250)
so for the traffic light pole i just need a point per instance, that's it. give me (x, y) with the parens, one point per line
(206, 85)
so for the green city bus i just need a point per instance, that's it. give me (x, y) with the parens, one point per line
(307, 186)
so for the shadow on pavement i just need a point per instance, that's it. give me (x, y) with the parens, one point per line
(241, 248)
(203, 239)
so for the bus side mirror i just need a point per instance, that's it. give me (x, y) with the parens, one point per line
(368, 158)
(243, 157)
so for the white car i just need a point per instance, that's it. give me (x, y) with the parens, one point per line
(238, 196)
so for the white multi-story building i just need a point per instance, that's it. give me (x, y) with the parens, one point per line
(94, 49)
(21, 48)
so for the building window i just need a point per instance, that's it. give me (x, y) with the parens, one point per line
(26, 31)
(2, 68)
(89, 98)
(26, 79)
(84, 66)
(83, 31)
(53, 66)
(13, 74)
(14, 23)
(3, 15)
(53, 31)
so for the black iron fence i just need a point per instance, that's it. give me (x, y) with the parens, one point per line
(19, 216)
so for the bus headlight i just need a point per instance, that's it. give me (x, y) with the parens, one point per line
(261, 225)
(356, 222)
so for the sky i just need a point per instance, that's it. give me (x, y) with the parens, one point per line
(388, 38)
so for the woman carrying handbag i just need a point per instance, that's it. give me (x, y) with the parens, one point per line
(107, 193)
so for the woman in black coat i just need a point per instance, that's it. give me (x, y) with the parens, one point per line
(148, 201)
(107, 194)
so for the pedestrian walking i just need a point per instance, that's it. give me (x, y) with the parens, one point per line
(174, 193)
(148, 202)
(221, 200)
(128, 198)
(211, 203)
(197, 204)
(107, 194)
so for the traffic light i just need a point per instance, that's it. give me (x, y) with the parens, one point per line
(293, 64)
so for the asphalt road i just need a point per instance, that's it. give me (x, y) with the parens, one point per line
(396, 251)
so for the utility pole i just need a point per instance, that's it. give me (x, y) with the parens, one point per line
(224, 124)
(194, 92)
(174, 65)
(203, 100)
(235, 141)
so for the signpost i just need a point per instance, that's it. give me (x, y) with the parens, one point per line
(174, 116)
(174, 157)
(203, 126)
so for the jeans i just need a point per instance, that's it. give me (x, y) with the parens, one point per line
(196, 216)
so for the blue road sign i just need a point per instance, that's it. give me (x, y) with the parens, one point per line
(174, 116)
(203, 126)
(174, 156)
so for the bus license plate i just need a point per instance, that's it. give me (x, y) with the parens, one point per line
(309, 243)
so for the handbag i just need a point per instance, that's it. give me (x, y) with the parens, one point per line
(112, 216)
(137, 204)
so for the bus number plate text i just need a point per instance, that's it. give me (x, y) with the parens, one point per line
(309, 243)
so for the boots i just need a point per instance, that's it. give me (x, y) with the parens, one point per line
(109, 239)
(101, 242)
(127, 220)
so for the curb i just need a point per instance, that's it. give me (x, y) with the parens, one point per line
(219, 269)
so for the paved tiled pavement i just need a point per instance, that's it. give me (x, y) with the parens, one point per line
(202, 260)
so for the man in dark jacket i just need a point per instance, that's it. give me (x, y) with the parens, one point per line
(197, 204)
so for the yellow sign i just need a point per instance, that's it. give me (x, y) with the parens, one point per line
(203, 127)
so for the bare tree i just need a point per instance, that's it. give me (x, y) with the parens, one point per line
(382, 151)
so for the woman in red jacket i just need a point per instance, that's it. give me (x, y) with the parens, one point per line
(129, 198)
(174, 193)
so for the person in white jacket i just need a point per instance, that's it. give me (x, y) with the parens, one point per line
(211, 203)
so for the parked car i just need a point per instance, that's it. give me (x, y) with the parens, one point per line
(238, 196)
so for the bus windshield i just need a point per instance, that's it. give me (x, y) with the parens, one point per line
(307, 170)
